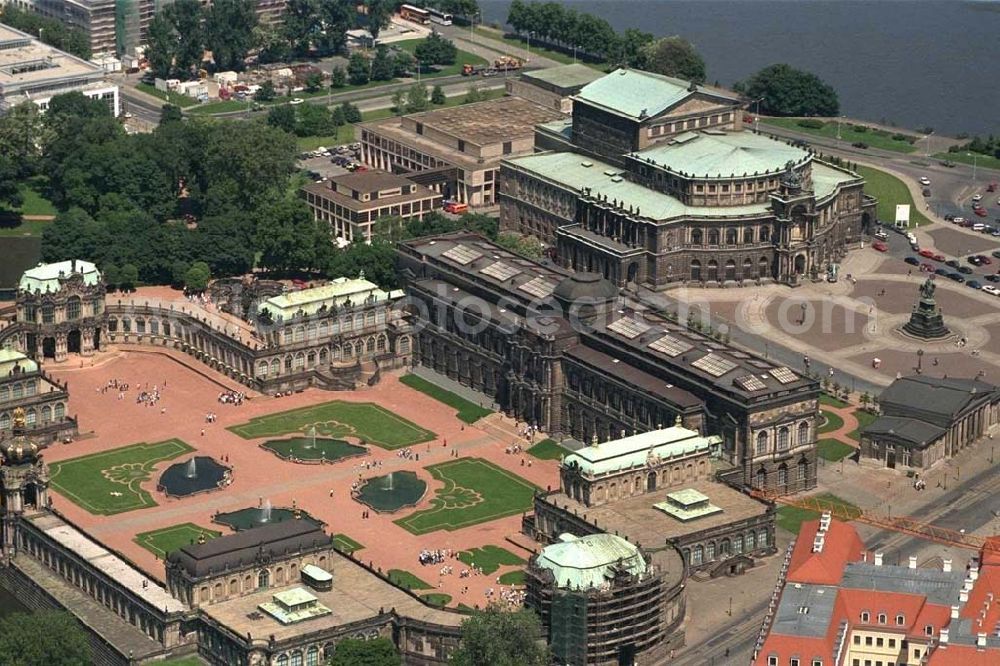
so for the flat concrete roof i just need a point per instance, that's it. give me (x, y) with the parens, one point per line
(567, 77)
(356, 595)
(26, 62)
(640, 522)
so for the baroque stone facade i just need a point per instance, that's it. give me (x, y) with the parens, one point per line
(40, 400)
(557, 350)
(677, 193)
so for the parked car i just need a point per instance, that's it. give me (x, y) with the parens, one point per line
(986, 260)
(880, 246)
(938, 257)
(927, 267)
(913, 261)
(965, 269)
(977, 197)
(927, 253)
(981, 212)
(953, 263)
(860, 144)
(975, 284)
(296, 101)
(975, 260)
(924, 180)
(958, 220)
(926, 191)
(990, 289)
(957, 277)
(881, 235)
(993, 277)
(996, 254)
(941, 271)
(947, 163)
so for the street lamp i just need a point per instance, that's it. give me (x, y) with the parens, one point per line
(920, 361)
(974, 159)
(927, 144)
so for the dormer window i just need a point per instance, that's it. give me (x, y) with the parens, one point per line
(881, 618)
(900, 620)
(866, 617)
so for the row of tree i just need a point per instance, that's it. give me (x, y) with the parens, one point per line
(593, 37)
(989, 146)
(312, 119)
(182, 31)
(49, 30)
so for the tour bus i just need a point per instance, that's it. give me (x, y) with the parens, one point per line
(414, 14)
(438, 16)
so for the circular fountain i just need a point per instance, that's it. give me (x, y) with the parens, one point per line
(197, 475)
(313, 449)
(392, 492)
(258, 516)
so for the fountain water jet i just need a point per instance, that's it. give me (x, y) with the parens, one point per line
(265, 512)
(191, 471)
(388, 485)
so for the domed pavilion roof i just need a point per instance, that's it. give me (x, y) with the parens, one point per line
(585, 287)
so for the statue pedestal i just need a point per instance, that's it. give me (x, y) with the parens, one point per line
(926, 322)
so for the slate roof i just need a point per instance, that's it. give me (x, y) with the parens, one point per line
(912, 431)
(240, 549)
(935, 396)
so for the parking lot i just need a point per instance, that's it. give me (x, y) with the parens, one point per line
(323, 164)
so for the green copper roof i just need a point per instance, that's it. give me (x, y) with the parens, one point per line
(827, 178)
(11, 358)
(45, 277)
(636, 450)
(588, 562)
(571, 171)
(636, 94)
(335, 293)
(723, 154)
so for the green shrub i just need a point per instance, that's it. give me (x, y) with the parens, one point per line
(860, 129)
(810, 123)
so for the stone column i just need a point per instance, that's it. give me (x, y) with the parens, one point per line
(60, 347)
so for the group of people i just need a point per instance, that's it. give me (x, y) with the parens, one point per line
(232, 397)
(148, 398)
(408, 454)
(427, 557)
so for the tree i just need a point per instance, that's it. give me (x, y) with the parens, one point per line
(313, 120)
(416, 98)
(631, 48)
(358, 69)
(161, 45)
(459, 7)
(399, 102)
(436, 50)
(786, 91)
(49, 31)
(129, 277)
(178, 272)
(314, 81)
(45, 637)
(282, 116)
(352, 114)
(272, 42)
(196, 278)
(674, 56)
(186, 20)
(10, 192)
(170, 113)
(301, 23)
(337, 17)
(337, 116)
(382, 65)
(501, 638)
(379, 13)
(266, 92)
(474, 94)
(377, 259)
(526, 246)
(229, 31)
(357, 652)
(338, 77)
(290, 239)
(437, 96)
(403, 63)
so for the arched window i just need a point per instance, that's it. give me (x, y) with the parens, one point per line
(866, 617)
(696, 237)
(48, 313)
(783, 475)
(748, 235)
(710, 551)
(282, 660)
(312, 656)
(380, 343)
(695, 270)
(300, 334)
(46, 414)
(725, 548)
(275, 367)
(730, 269)
(763, 267)
(748, 542)
(762, 442)
(765, 234)
(803, 433)
(713, 270)
(803, 471)
(59, 413)
(31, 416)
(263, 578)
(288, 363)
(697, 555)
(762, 538)
(370, 346)
(370, 318)
(300, 359)
(359, 320)
(404, 345)
(737, 544)
(323, 356)
(783, 438)
(713, 236)
(730, 236)
(761, 478)
(4, 393)
(297, 658)
(4, 421)
(311, 359)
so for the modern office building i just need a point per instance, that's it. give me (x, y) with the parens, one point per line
(353, 203)
(31, 71)
(457, 151)
(654, 182)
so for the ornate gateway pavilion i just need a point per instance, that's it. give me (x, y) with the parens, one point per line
(654, 182)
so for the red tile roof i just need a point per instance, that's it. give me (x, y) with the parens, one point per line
(842, 545)
(963, 655)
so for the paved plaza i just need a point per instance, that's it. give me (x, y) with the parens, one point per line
(849, 324)
(189, 391)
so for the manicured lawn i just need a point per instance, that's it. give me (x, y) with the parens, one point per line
(833, 422)
(475, 491)
(21, 227)
(89, 481)
(790, 518)
(461, 58)
(558, 56)
(833, 450)
(364, 420)
(176, 99)
(345, 134)
(548, 449)
(489, 558)
(33, 201)
(830, 401)
(406, 579)
(345, 544)
(436, 598)
(864, 420)
(890, 191)
(876, 138)
(984, 161)
(468, 411)
(162, 541)
(512, 578)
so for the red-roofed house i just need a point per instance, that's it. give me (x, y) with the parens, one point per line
(824, 565)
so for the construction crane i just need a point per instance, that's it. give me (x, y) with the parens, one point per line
(902, 524)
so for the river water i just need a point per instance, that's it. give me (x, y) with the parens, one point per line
(914, 63)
